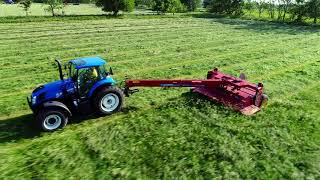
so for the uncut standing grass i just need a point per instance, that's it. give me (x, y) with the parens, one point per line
(165, 133)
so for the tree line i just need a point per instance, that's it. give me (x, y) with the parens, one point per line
(160, 6)
(115, 6)
(281, 10)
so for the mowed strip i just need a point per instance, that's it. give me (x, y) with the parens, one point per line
(218, 60)
(145, 47)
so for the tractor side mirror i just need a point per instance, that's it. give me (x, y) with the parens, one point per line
(110, 71)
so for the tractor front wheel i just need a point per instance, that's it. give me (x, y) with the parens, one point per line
(108, 100)
(51, 119)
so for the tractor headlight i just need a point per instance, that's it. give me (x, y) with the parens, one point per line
(33, 100)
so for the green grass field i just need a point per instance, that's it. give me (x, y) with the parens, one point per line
(38, 9)
(165, 133)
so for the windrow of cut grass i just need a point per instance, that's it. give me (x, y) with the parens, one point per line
(165, 133)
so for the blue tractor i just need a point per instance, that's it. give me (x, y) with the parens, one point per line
(87, 85)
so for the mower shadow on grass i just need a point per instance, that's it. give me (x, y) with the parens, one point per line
(197, 101)
(263, 26)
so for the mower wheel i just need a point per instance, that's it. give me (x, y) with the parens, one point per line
(108, 100)
(51, 119)
(265, 99)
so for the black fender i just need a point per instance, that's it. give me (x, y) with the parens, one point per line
(57, 104)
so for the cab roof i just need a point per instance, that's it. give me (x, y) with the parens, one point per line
(86, 62)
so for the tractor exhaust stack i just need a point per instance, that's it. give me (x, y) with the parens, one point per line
(60, 69)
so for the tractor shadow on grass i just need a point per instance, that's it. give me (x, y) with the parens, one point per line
(17, 128)
(23, 127)
(262, 26)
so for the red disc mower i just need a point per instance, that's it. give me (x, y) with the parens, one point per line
(230, 91)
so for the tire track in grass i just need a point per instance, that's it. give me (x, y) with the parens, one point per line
(23, 27)
(227, 67)
(85, 44)
(89, 23)
(62, 36)
(185, 62)
(25, 67)
(40, 29)
(66, 27)
(80, 34)
(208, 26)
(167, 54)
(230, 54)
(183, 47)
(278, 73)
(120, 34)
(90, 31)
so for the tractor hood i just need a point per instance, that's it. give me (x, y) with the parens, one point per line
(53, 90)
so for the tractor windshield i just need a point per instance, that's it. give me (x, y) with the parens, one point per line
(72, 72)
(102, 71)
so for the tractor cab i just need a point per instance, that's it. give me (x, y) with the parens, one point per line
(85, 86)
(85, 73)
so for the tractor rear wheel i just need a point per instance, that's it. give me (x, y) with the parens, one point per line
(51, 119)
(108, 100)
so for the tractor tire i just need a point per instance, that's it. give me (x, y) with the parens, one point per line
(51, 119)
(109, 100)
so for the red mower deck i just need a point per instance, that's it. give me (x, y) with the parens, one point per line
(228, 90)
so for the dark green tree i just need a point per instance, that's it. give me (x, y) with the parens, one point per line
(249, 6)
(145, 3)
(53, 5)
(206, 3)
(298, 10)
(174, 6)
(191, 5)
(171, 6)
(115, 6)
(271, 8)
(26, 4)
(313, 9)
(261, 6)
(159, 6)
(228, 7)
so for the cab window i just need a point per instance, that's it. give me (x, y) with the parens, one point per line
(86, 79)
